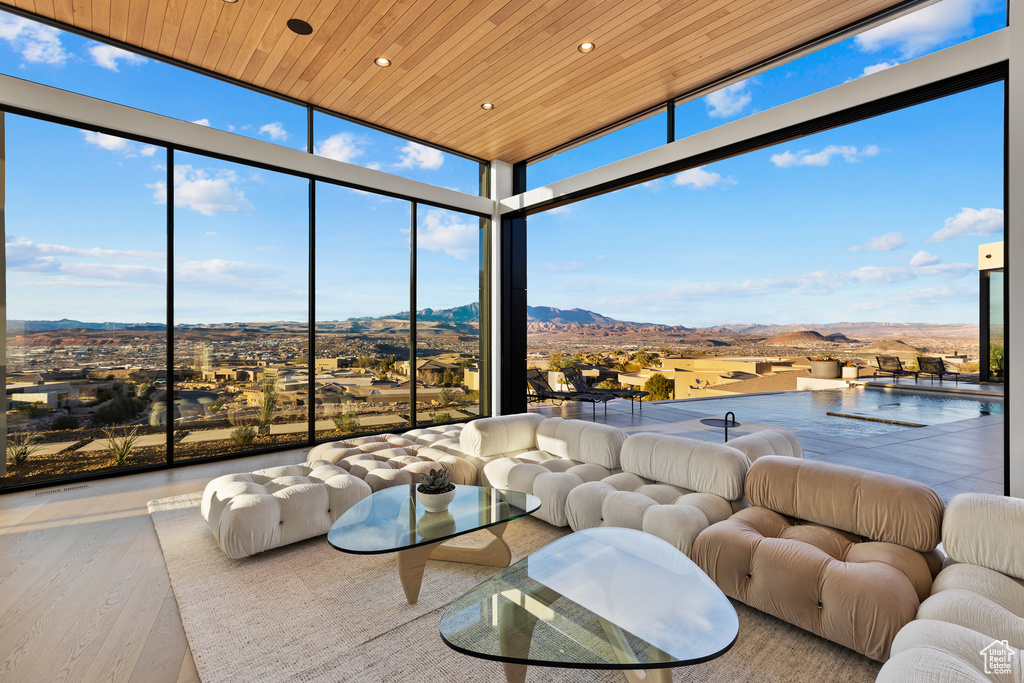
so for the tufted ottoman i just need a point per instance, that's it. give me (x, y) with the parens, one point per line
(385, 460)
(256, 511)
(840, 552)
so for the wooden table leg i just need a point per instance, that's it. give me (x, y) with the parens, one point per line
(625, 655)
(411, 562)
(496, 553)
(514, 673)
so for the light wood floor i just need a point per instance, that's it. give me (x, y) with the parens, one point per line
(84, 591)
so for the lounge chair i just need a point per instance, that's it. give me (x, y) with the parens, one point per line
(891, 365)
(542, 391)
(576, 380)
(928, 365)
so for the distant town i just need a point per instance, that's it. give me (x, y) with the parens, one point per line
(77, 390)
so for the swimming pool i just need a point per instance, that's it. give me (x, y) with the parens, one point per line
(807, 410)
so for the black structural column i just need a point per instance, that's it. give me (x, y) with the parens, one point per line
(513, 315)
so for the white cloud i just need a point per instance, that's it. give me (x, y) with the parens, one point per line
(202, 122)
(148, 151)
(24, 255)
(221, 272)
(875, 68)
(107, 56)
(886, 242)
(970, 222)
(195, 189)
(275, 131)
(206, 234)
(108, 142)
(806, 157)
(415, 155)
(698, 178)
(37, 43)
(729, 101)
(925, 29)
(340, 147)
(923, 258)
(444, 232)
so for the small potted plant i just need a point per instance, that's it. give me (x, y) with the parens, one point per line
(850, 370)
(825, 367)
(436, 490)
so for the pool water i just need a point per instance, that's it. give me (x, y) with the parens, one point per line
(806, 410)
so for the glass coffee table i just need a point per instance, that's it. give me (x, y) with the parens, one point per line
(393, 521)
(602, 598)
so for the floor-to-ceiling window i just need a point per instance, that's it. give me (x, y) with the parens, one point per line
(86, 302)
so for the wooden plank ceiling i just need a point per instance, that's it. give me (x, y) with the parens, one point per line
(450, 56)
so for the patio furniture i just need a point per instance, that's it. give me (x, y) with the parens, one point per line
(561, 455)
(252, 512)
(928, 365)
(575, 378)
(596, 599)
(384, 460)
(891, 365)
(542, 391)
(844, 553)
(975, 613)
(392, 520)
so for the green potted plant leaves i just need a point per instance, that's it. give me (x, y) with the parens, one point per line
(436, 490)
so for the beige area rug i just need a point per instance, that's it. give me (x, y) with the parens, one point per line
(308, 612)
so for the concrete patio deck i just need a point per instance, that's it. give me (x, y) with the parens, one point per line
(955, 457)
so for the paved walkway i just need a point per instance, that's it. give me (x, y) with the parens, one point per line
(955, 457)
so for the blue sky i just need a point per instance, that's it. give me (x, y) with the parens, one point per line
(875, 221)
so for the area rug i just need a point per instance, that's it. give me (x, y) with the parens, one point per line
(310, 613)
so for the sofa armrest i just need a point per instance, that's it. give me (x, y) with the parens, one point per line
(986, 530)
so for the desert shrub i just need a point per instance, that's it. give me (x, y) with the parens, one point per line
(20, 447)
(440, 416)
(243, 436)
(447, 396)
(65, 421)
(120, 446)
(346, 422)
(973, 366)
(32, 410)
(659, 387)
(607, 384)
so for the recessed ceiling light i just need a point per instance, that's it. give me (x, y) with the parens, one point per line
(487, 106)
(382, 61)
(586, 47)
(231, 2)
(300, 27)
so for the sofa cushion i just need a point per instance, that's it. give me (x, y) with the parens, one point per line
(581, 441)
(986, 530)
(687, 463)
(490, 436)
(768, 442)
(880, 507)
(939, 652)
(815, 577)
(980, 599)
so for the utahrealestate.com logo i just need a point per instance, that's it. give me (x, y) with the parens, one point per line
(998, 658)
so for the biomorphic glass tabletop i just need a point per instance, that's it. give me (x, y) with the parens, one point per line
(392, 519)
(602, 598)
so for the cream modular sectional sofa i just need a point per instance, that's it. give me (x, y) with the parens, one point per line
(973, 620)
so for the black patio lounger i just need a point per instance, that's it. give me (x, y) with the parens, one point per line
(577, 381)
(542, 391)
(927, 365)
(891, 365)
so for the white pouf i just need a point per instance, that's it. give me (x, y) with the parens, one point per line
(256, 511)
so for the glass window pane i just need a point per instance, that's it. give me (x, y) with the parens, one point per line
(86, 303)
(354, 144)
(448, 277)
(241, 313)
(362, 312)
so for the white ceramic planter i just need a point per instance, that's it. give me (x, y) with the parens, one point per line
(851, 373)
(435, 502)
(825, 369)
